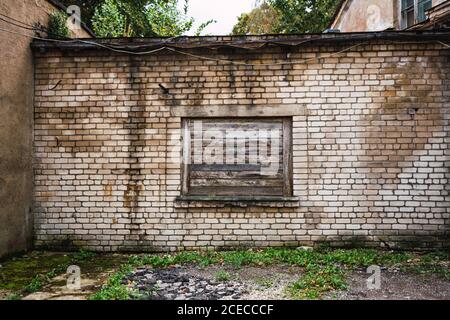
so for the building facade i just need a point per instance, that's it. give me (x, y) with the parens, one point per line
(351, 133)
(379, 15)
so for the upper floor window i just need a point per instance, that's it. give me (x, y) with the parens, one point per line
(414, 11)
(423, 6)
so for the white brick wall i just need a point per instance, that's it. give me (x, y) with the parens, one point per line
(366, 170)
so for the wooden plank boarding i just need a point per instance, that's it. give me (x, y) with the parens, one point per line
(232, 191)
(246, 177)
(230, 174)
(237, 182)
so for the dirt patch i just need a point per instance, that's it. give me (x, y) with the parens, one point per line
(57, 288)
(4, 294)
(395, 286)
(269, 283)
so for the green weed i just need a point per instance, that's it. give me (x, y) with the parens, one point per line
(222, 276)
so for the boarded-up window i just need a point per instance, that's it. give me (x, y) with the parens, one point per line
(237, 157)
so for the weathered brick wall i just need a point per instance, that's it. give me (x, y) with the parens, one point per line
(371, 159)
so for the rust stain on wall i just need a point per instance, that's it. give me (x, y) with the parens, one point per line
(107, 188)
(131, 195)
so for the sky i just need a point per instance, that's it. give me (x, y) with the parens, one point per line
(225, 12)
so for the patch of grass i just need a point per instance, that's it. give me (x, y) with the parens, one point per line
(101, 264)
(18, 272)
(36, 284)
(222, 276)
(13, 296)
(362, 258)
(202, 259)
(114, 289)
(40, 280)
(437, 263)
(264, 282)
(239, 258)
(83, 255)
(317, 281)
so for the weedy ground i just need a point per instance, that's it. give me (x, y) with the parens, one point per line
(324, 270)
(318, 272)
(23, 275)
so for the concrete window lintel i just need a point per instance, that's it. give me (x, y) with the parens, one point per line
(283, 110)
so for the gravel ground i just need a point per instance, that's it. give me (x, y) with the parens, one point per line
(261, 283)
(193, 283)
(395, 286)
(269, 283)
(179, 284)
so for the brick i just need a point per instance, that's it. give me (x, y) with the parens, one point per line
(363, 166)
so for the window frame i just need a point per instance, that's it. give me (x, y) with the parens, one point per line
(418, 16)
(287, 149)
(419, 13)
(406, 10)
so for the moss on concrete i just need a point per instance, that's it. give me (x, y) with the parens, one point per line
(18, 272)
(34, 271)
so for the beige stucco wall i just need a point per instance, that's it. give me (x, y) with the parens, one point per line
(436, 2)
(16, 120)
(364, 15)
